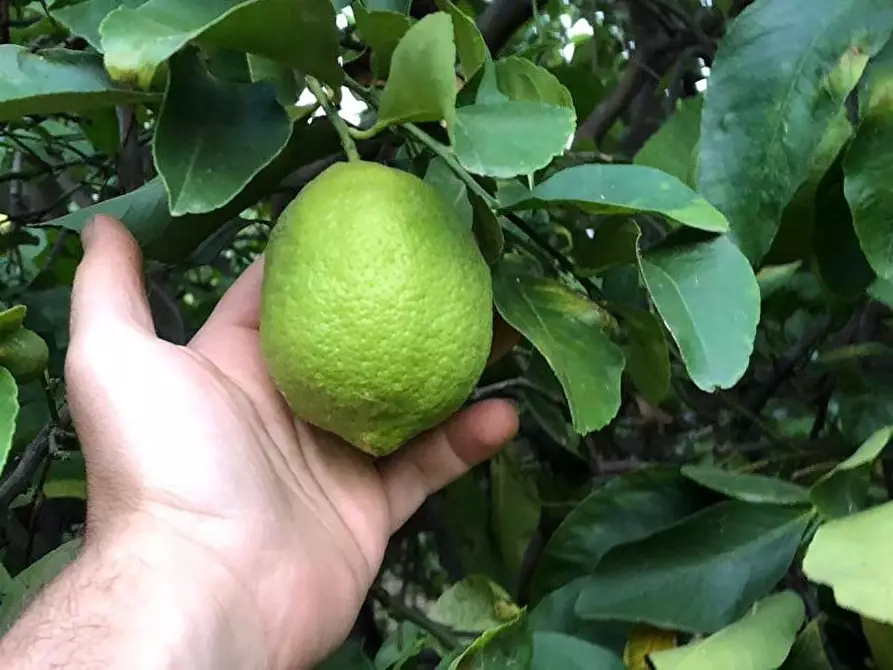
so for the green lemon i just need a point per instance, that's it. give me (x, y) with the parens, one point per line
(377, 306)
(24, 354)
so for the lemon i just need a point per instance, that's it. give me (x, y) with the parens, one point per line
(24, 354)
(376, 317)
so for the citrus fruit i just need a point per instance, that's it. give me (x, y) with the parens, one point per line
(376, 316)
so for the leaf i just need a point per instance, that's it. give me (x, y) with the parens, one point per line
(487, 230)
(759, 641)
(516, 508)
(11, 319)
(771, 80)
(509, 647)
(403, 644)
(521, 79)
(349, 656)
(173, 239)
(452, 189)
(647, 353)
(772, 278)
(844, 490)
(510, 138)
(851, 555)
(613, 242)
(566, 329)
(624, 189)
(841, 263)
(33, 578)
(700, 574)
(672, 148)
(628, 508)
(880, 640)
(83, 18)
(214, 136)
(470, 44)
(136, 41)
(57, 80)
(474, 604)
(281, 76)
(867, 167)
(557, 650)
(382, 31)
(808, 652)
(709, 299)
(422, 82)
(9, 412)
(747, 487)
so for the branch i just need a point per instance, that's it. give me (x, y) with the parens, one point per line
(33, 455)
(404, 612)
(501, 19)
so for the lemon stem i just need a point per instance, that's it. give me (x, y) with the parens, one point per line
(347, 142)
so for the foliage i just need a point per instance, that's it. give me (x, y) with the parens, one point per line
(686, 210)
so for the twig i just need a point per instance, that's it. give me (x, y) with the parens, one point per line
(497, 388)
(404, 612)
(32, 456)
(350, 147)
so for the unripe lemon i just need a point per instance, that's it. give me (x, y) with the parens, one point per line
(377, 306)
(24, 354)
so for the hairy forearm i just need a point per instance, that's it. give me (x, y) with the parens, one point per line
(126, 605)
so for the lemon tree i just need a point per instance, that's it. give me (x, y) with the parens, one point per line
(661, 227)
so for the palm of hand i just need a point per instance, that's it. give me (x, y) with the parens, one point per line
(198, 441)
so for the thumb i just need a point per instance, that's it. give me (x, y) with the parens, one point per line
(108, 290)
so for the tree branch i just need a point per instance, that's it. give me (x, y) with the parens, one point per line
(499, 21)
(32, 456)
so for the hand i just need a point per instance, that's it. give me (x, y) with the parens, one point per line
(195, 463)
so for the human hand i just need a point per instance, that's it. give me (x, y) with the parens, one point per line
(194, 462)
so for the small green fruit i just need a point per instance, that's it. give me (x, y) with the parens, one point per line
(24, 354)
(377, 306)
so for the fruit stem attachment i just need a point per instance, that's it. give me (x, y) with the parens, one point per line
(350, 148)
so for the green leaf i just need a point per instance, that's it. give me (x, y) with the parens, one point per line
(33, 578)
(759, 641)
(614, 242)
(747, 487)
(281, 76)
(382, 31)
(841, 263)
(771, 80)
(510, 138)
(57, 80)
(12, 319)
(624, 189)
(349, 656)
(422, 82)
(844, 490)
(136, 41)
(9, 412)
(173, 239)
(880, 640)
(556, 650)
(487, 230)
(771, 278)
(808, 652)
(516, 508)
(851, 555)
(474, 604)
(521, 79)
(470, 44)
(867, 167)
(709, 299)
(83, 18)
(509, 647)
(567, 329)
(717, 562)
(452, 189)
(672, 148)
(405, 643)
(628, 508)
(214, 136)
(647, 353)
